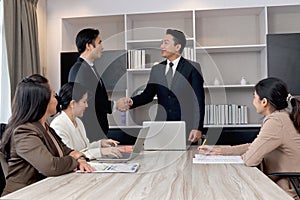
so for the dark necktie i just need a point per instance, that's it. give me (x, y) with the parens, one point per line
(169, 75)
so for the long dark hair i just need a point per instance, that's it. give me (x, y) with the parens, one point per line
(275, 91)
(29, 105)
(68, 92)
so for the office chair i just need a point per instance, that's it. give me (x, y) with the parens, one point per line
(3, 162)
(294, 178)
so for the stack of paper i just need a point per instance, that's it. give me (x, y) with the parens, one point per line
(116, 167)
(207, 159)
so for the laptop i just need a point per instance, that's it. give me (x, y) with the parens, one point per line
(165, 135)
(136, 149)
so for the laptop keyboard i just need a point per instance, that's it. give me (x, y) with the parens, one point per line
(125, 155)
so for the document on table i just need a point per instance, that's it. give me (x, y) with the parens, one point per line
(207, 159)
(115, 167)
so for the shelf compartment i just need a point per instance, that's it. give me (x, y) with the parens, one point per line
(229, 68)
(111, 30)
(154, 25)
(231, 49)
(230, 27)
(284, 19)
(155, 43)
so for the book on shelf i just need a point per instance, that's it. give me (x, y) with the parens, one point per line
(188, 53)
(136, 59)
(225, 114)
(113, 167)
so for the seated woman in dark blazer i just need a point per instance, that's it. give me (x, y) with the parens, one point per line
(33, 149)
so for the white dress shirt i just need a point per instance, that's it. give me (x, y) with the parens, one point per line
(175, 64)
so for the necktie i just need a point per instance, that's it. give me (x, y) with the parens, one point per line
(169, 75)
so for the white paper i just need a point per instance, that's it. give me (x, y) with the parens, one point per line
(204, 159)
(116, 167)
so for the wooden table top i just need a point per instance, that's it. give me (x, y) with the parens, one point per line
(162, 175)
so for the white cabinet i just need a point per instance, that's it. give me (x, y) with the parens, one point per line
(228, 43)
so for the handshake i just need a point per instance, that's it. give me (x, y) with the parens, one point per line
(124, 103)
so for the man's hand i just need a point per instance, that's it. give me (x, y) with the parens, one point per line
(124, 103)
(195, 135)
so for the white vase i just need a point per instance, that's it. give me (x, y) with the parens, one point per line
(243, 81)
(216, 81)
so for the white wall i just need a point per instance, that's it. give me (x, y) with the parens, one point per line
(58, 9)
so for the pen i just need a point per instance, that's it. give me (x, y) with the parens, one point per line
(203, 143)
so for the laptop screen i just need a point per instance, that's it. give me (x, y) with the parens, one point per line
(165, 135)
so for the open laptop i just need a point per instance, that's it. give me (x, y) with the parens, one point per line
(136, 149)
(165, 135)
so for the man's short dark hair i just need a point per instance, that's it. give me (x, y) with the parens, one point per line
(179, 38)
(86, 36)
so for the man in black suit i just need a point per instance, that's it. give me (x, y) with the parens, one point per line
(178, 84)
(89, 45)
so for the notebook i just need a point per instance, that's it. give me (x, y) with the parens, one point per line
(136, 149)
(165, 135)
(217, 159)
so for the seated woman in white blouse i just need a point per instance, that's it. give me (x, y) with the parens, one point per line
(72, 104)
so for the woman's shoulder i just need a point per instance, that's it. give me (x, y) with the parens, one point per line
(28, 128)
(27, 125)
(279, 117)
(279, 114)
(60, 118)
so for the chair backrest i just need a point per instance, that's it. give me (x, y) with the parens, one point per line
(3, 162)
(294, 178)
(2, 129)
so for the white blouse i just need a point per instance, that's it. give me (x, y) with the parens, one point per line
(75, 137)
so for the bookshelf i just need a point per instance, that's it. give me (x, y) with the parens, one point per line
(229, 43)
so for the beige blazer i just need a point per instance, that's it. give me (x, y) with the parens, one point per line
(277, 148)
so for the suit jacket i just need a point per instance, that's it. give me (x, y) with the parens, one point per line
(99, 104)
(33, 157)
(184, 101)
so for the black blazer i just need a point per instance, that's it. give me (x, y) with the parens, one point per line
(98, 103)
(183, 101)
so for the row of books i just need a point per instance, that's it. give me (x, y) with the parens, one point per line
(225, 114)
(189, 53)
(137, 58)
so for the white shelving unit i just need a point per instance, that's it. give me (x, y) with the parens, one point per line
(228, 43)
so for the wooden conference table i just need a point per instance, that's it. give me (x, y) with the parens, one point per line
(162, 175)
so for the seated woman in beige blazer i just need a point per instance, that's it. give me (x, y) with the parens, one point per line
(277, 146)
(72, 100)
(32, 149)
